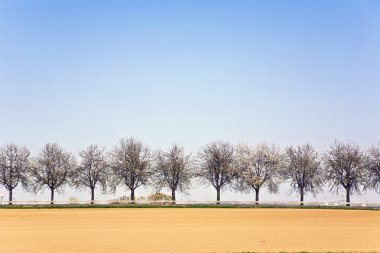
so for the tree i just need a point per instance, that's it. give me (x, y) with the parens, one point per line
(216, 166)
(345, 164)
(52, 169)
(14, 163)
(131, 164)
(173, 170)
(303, 170)
(258, 167)
(93, 170)
(373, 166)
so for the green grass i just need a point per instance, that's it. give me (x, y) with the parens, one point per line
(181, 206)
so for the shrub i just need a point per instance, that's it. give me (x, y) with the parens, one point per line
(72, 200)
(162, 198)
(124, 200)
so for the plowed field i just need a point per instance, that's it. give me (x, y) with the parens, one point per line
(187, 230)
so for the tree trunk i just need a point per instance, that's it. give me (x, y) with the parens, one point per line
(218, 196)
(301, 200)
(10, 196)
(92, 195)
(132, 196)
(347, 197)
(52, 196)
(257, 195)
(173, 196)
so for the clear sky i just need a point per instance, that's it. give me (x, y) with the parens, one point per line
(288, 72)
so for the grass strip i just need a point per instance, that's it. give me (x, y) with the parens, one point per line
(78, 206)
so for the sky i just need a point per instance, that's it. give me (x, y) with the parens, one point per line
(189, 72)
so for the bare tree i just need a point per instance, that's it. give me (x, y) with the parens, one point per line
(131, 164)
(303, 170)
(345, 164)
(258, 167)
(93, 170)
(52, 169)
(173, 170)
(14, 163)
(216, 166)
(373, 166)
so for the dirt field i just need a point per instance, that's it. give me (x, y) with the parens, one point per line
(187, 230)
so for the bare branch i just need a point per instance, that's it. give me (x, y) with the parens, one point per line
(93, 170)
(345, 164)
(258, 167)
(173, 170)
(52, 169)
(303, 170)
(14, 164)
(131, 164)
(373, 166)
(216, 165)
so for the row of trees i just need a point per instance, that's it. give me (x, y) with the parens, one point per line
(244, 168)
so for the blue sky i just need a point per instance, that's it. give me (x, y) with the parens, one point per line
(190, 72)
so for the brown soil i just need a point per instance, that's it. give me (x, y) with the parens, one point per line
(187, 230)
